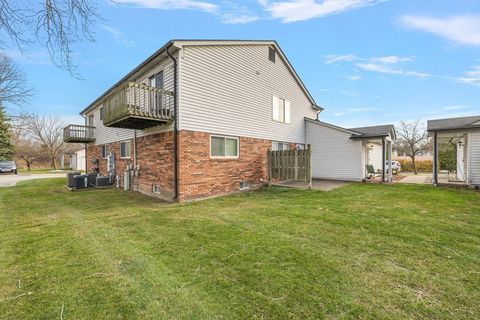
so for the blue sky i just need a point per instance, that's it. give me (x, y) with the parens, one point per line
(366, 61)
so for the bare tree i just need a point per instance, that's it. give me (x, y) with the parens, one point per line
(48, 132)
(13, 87)
(29, 152)
(56, 24)
(412, 140)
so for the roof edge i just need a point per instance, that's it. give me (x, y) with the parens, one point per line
(192, 42)
(332, 126)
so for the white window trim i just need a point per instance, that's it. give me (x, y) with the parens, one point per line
(126, 141)
(224, 157)
(287, 114)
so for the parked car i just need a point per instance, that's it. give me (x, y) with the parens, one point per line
(8, 166)
(396, 166)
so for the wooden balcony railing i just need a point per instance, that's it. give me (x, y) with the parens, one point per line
(137, 106)
(78, 134)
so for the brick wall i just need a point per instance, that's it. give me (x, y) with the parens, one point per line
(201, 176)
(154, 158)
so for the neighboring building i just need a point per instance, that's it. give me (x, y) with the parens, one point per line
(343, 154)
(464, 132)
(74, 160)
(233, 100)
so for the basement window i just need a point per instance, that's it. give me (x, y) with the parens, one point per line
(156, 189)
(244, 185)
(271, 54)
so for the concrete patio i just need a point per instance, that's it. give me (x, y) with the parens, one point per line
(323, 185)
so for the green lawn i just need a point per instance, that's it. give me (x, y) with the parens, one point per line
(361, 251)
(39, 171)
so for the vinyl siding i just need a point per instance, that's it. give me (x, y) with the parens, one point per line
(334, 155)
(105, 135)
(229, 89)
(474, 149)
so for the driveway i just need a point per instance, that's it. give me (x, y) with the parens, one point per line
(10, 180)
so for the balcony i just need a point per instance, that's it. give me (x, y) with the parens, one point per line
(78, 134)
(138, 106)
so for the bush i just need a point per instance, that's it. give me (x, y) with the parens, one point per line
(422, 166)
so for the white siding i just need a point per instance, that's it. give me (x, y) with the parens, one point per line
(474, 149)
(334, 155)
(107, 135)
(229, 89)
(375, 156)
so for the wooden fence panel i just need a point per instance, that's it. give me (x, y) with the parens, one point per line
(289, 165)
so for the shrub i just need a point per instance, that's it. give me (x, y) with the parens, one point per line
(422, 166)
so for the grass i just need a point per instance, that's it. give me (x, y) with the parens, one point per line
(360, 251)
(39, 171)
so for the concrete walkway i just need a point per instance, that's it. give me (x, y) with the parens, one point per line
(10, 180)
(323, 185)
(415, 179)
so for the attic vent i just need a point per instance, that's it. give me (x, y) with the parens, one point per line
(156, 189)
(271, 54)
(244, 185)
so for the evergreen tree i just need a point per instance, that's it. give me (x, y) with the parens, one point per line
(6, 147)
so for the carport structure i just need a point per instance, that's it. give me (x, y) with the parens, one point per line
(464, 133)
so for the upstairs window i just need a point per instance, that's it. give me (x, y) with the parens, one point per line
(223, 147)
(125, 149)
(101, 113)
(90, 120)
(280, 110)
(271, 54)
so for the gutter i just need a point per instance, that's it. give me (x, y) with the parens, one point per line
(175, 124)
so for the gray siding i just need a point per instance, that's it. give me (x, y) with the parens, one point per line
(228, 90)
(334, 154)
(107, 135)
(474, 150)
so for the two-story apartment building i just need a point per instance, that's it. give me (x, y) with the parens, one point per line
(197, 117)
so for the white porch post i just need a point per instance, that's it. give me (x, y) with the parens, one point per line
(383, 159)
(390, 173)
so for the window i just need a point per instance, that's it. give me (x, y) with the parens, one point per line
(280, 110)
(156, 189)
(223, 147)
(90, 120)
(300, 146)
(244, 185)
(101, 113)
(271, 54)
(125, 149)
(104, 151)
(279, 145)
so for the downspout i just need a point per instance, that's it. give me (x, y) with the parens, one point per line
(135, 149)
(85, 146)
(175, 125)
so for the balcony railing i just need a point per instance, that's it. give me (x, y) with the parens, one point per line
(78, 134)
(137, 106)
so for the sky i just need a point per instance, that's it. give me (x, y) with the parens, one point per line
(367, 62)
